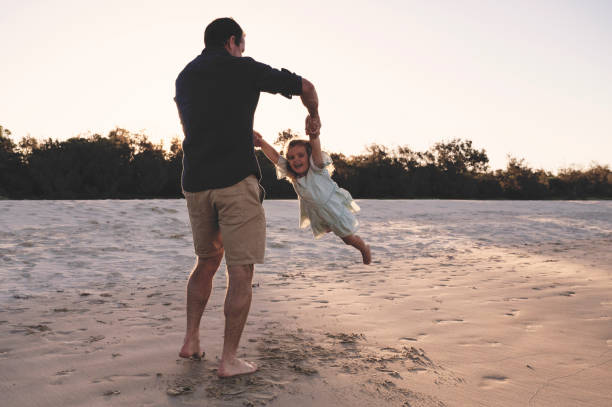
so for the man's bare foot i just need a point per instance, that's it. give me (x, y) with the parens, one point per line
(235, 367)
(191, 350)
(194, 356)
(367, 255)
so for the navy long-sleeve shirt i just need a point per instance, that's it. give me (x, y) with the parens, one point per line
(216, 96)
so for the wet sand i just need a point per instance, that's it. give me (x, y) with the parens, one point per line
(465, 304)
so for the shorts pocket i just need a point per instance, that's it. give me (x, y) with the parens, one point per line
(239, 203)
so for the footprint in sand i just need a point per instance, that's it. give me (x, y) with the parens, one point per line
(492, 380)
(416, 338)
(479, 342)
(65, 372)
(448, 321)
(513, 313)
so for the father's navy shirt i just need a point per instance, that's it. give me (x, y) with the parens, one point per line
(216, 96)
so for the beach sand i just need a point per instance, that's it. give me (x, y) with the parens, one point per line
(466, 303)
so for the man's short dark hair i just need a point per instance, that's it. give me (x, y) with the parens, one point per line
(220, 30)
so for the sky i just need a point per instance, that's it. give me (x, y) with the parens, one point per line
(529, 79)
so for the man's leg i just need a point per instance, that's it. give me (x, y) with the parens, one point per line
(237, 305)
(199, 287)
(242, 222)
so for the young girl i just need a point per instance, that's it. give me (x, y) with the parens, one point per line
(323, 204)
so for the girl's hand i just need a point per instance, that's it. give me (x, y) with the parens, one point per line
(257, 138)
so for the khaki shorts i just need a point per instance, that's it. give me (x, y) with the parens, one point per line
(230, 218)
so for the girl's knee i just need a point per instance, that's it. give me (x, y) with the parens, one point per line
(350, 239)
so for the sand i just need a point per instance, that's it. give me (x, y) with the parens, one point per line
(467, 303)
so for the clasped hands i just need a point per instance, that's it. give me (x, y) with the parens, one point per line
(313, 128)
(313, 125)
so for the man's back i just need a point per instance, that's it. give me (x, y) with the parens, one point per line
(216, 95)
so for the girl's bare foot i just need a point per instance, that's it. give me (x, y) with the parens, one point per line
(235, 367)
(366, 255)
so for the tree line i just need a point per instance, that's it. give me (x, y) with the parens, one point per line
(124, 165)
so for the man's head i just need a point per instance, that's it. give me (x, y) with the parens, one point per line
(225, 32)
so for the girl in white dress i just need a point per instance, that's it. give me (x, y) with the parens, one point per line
(323, 204)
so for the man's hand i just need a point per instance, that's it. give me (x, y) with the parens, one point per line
(311, 102)
(313, 125)
(257, 138)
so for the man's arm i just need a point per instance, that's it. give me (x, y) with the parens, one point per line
(268, 79)
(267, 149)
(311, 102)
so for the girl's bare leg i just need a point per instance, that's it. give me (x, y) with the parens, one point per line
(360, 245)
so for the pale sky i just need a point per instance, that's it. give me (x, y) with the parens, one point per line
(532, 79)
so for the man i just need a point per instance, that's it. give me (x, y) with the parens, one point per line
(216, 96)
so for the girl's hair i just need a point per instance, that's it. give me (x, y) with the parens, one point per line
(298, 142)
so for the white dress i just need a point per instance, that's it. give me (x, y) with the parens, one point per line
(323, 204)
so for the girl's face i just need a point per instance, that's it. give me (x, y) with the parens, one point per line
(298, 160)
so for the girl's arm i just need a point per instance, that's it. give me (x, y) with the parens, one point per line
(317, 156)
(267, 149)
